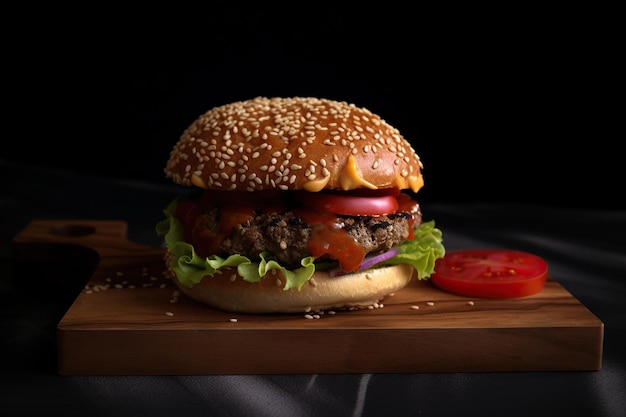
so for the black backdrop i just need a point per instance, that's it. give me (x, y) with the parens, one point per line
(502, 105)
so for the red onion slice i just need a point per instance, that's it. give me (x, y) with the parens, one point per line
(368, 262)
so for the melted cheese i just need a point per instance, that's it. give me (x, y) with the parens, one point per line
(316, 185)
(415, 183)
(350, 178)
(197, 181)
(412, 181)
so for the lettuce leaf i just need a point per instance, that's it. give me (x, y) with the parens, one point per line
(190, 268)
(422, 251)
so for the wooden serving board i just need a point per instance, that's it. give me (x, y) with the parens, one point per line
(141, 326)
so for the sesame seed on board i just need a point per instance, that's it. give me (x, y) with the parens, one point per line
(134, 278)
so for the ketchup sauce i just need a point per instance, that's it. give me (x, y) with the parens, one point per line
(329, 238)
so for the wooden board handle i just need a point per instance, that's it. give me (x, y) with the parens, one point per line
(41, 239)
(67, 252)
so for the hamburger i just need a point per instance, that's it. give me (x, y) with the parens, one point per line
(295, 205)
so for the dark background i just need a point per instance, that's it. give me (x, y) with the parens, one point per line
(502, 105)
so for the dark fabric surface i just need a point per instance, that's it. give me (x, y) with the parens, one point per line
(585, 249)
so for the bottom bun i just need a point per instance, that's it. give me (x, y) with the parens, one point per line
(229, 292)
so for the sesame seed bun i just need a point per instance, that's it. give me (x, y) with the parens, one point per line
(291, 144)
(299, 143)
(322, 292)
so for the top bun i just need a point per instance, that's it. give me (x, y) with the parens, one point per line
(299, 143)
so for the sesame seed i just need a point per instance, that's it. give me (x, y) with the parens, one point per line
(430, 303)
(415, 307)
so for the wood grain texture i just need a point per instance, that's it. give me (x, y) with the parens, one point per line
(141, 326)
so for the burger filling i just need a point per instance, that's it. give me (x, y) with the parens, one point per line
(257, 231)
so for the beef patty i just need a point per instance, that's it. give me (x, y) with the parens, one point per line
(286, 236)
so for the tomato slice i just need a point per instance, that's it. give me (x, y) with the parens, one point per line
(490, 273)
(358, 203)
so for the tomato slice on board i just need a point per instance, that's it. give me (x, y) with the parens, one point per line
(490, 273)
(357, 203)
